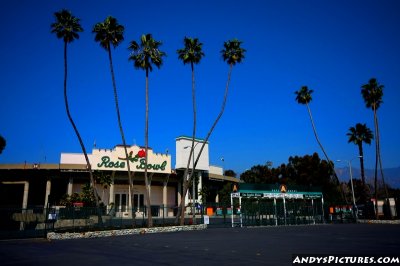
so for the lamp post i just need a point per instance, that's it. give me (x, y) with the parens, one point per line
(352, 187)
(193, 183)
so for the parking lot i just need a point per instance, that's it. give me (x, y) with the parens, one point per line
(214, 246)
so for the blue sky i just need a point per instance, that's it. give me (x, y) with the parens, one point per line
(333, 47)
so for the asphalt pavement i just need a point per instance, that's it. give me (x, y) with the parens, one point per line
(214, 246)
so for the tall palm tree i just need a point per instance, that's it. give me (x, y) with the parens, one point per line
(232, 53)
(372, 93)
(357, 135)
(145, 55)
(67, 28)
(191, 54)
(107, 33)
(2, 143)
(304, 97)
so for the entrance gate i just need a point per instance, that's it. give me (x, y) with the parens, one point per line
(261, 204)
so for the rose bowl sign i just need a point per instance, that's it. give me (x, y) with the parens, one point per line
(116, 160)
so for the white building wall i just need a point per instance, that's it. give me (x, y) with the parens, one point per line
(217, 170)
(183, 147)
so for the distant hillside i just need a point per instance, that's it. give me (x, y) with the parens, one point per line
(392, 175)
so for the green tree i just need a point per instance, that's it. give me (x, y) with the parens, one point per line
(357, 135)
(145, 55)
(303, 96)
(372, 93)
(232, 53)
(2, 143)
(110, 33)
(230, 173)
(191, 54)
(307, 170)
(67, 28)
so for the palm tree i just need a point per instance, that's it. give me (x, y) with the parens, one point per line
(107, 33)
(304, 97)
(2, 143)
(191, 54)
(372, 93)
(144, 55)
(232, 53)
(357, 135)
(67, 27)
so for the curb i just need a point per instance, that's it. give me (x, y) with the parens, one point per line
(123, 232)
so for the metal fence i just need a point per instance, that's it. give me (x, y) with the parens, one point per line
(36, 222)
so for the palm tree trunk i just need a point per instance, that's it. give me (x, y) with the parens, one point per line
(323, 150)
(146, 143)
(364, 187)
(380, 158)
(380, 165)
(186, 184)
(181, 211)
(376, 163)
(89, 167)
(121, 129)
(361, 153)
(194, 131)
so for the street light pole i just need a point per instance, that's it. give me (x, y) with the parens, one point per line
(352, 187)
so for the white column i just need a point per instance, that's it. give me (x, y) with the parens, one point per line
(165, 191)
(276, 213)
(232, 224)
(48, 190)
(179, 192)
(284, 208)
(164, 199)
(322, 206)
(25, 197)
(187, 194)
(111, 196)
(70, 183)
(199, 188)
(130, 200)
(240, 208)
(24, 203)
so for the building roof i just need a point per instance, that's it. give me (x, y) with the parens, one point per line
(23, 166)
(224, 178)
(190, 138)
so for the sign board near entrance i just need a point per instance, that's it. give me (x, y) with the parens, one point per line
(116, 160)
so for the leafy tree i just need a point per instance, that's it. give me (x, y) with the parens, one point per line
(308, 170)
(191, 54)
(2, 143)
(87, 196)
(110, 33)
(233, 54)
(372, 93)
(145, 55)
(260, 174)
(304, 97)
(204, 192)
(357, 135)
(67, 28)
(230, 173)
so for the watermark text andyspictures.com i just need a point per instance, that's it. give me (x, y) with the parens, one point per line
(344, 259)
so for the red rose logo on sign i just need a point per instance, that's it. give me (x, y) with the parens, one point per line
(141, 154)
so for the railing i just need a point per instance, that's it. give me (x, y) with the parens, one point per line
(36, 222)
